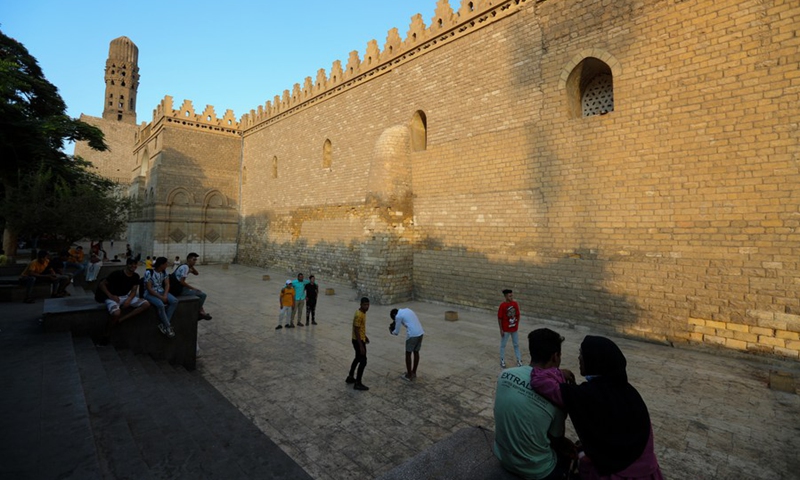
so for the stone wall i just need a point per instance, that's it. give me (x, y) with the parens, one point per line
(675, 210)
(187, 177)
(117, 162)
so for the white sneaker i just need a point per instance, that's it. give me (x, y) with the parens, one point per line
(502, 364)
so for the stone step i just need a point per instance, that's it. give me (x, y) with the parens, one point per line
(183, 435)
(45, 430)
(118, 454)
(257, 455)
(148, 434)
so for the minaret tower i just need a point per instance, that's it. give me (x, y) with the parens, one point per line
(122, 81)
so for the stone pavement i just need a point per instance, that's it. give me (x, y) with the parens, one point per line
(713, 414)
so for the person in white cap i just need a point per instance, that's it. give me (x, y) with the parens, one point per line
(287, 304)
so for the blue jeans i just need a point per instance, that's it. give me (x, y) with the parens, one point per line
(164, 311)
(515, 340)
(79, 267)
(197, 293)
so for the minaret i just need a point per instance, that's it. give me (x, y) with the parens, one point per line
(122, 81)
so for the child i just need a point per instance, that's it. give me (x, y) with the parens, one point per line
(508, 320)
(286, 300)
(176, 264)
(148, 264)
(360, 341)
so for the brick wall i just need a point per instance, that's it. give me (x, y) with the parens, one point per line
(672, 216)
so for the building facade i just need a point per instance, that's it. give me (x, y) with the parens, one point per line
(631, 166)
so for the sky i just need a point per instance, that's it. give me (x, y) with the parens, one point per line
(232, 55)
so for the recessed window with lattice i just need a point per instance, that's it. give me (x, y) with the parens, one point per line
(598, 97)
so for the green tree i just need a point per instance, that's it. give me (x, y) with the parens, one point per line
(33, 128)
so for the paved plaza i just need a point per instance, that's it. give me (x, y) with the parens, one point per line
(713, 413)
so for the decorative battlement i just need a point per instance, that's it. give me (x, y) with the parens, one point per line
(185, 115)
(446, 26)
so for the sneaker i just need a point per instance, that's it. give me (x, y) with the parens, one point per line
(204, 316)
(29, 300)
(163, 329)
(287, 325)
(278, 327)
(170, 332)
(360, 386)
(313, 322)
(406, 377)
(519, 363)
(350, 379)
(291, 325)
(502, 364)
(299, 324)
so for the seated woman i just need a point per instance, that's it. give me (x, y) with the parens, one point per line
(610, 417)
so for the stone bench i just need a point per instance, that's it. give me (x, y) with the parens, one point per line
(464, 455)
(12, 291)
(84, 316)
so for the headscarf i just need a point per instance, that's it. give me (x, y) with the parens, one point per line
(609, 415)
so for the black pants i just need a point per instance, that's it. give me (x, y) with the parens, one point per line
(311, 310)
(360, 361)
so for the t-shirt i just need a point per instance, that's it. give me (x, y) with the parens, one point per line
(76, 256)
(36, 268)
(287, 296)
(299, 289)
(508, 313)
(157, 280)
(522, 421)
(182, 272)
(312, 290)
(407, 317)
(118, 283)
(148, 264)
(360, 326)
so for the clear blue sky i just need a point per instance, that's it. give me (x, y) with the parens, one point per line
(235, 54)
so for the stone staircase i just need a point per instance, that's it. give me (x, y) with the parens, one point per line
(70, 409)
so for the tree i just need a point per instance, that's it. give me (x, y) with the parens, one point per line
(33, 128)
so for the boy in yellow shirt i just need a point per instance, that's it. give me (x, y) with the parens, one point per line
(360, 341)
(287, 304)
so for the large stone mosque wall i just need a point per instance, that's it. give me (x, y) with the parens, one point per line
(457, 161)
(187, 180)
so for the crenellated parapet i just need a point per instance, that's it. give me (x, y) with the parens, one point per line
(447, 25)
(186, 116)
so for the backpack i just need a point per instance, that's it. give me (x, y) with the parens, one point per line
(175, 285)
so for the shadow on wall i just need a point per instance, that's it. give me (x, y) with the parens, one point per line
(183, 209)
(571, 289)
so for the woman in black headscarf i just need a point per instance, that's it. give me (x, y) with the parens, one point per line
(610, 416)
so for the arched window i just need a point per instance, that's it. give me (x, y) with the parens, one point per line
(590, 88)
(327, 154)
(419, 131)
(274, 167)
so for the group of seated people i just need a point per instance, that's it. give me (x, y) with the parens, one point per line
(125, 290)
(610, 418)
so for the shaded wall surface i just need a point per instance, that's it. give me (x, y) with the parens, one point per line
(187, 178)
(672, 216)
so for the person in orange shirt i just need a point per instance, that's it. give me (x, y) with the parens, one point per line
(287, 304)
(37, 269)
(76, 260)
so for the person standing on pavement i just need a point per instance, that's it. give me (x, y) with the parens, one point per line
(181, 273)
(286, 300)
(312, 291)
(360, 341)
(406, 317)
(508, 320)
(299, 299)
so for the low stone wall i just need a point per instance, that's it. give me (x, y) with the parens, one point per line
(84, 316)
(464, 455)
